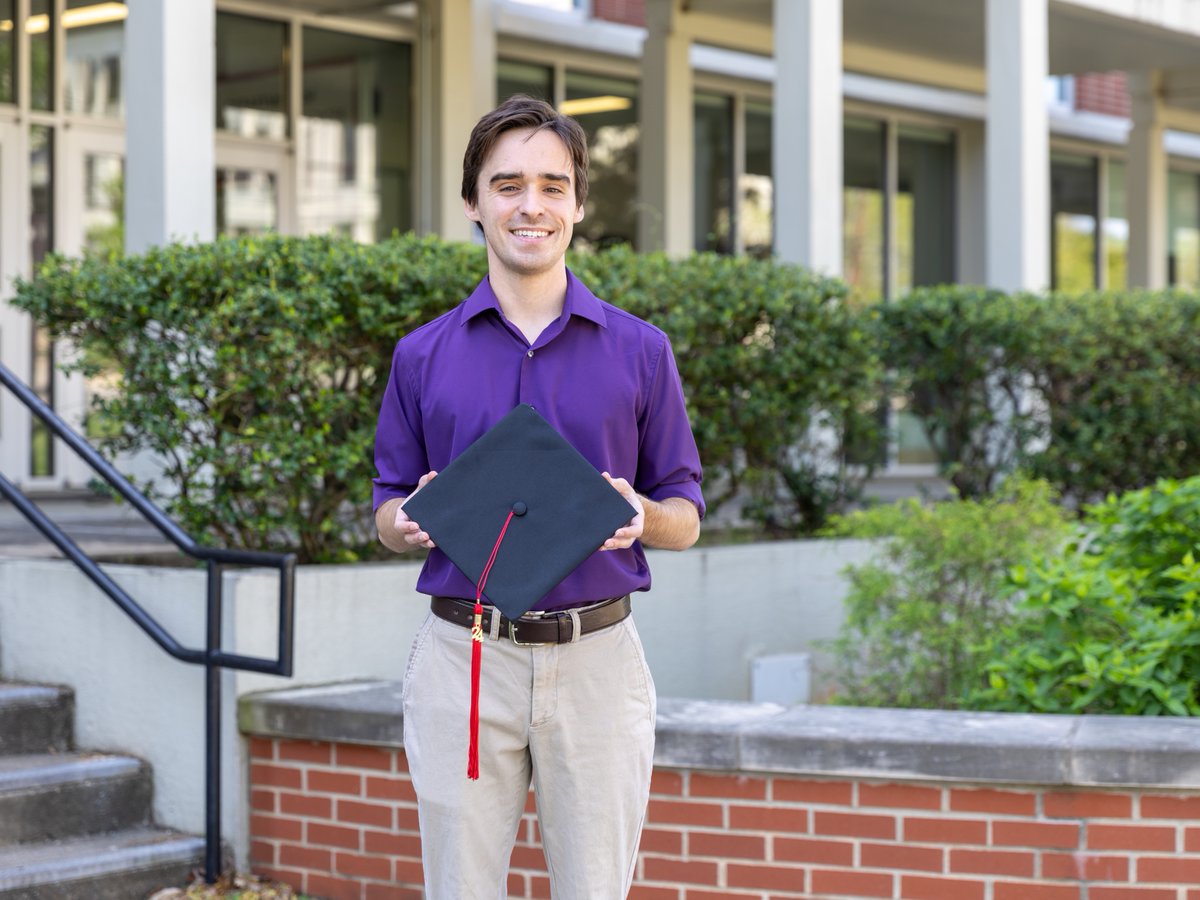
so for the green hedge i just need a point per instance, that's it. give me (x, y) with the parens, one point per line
(253, 367)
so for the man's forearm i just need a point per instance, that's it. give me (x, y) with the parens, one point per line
(385, 524)
(672, 524)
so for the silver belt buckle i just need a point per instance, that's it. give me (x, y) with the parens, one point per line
(512, 635)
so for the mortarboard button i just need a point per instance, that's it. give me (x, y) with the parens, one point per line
(519, 508)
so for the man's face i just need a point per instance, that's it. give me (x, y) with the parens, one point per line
(526, 202)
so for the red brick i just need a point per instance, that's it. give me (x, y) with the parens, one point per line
(306, 751)
(1085, 867)
(1160, 807)
(669, 783)
(376, 867)
(780, 878)
(263, 801)
(261, 748)
(900, 856)
(287, 876)
(1099, 892)
(364, 813)
(724, 844)
(991, 862)
(945, 831)
(678, 870)
(334, 836)
(829, 853)
(682, 812)
(1004, 890)
(390, 789)
(901, 796)
(335, 783)
(794, 790)
(923, 887)
(988, 800)
(359, 757)
(737, 787)
(643, 892)
(392, 844)
(851, 884)
(332, 888)
(407, 819)
(1157, 869)
(262, 852)
(1086, 805)
(391, 892)
(517, 885)
(854, 825)
(1130, 837)
(528, 858)
(659, 840)
(531, 802)
(275, 827)
(1035, 834)
(304, 857)
(265, 774)
(409, 872)
(306, 805)
(1191, 840)
(701, 894)
(539, 887)
(768, 818)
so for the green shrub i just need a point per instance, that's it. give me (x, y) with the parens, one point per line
(919, 616)
(1110, 624)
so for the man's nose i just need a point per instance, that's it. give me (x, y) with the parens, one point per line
(531, 203)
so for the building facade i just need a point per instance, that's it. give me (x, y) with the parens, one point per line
(1025, 144)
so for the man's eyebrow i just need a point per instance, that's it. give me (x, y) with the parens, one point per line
(518, 176)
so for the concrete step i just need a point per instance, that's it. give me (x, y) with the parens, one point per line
(127, 865)
(51, 796)
(35, 718)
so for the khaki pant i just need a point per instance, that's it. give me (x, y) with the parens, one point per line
(577, 719)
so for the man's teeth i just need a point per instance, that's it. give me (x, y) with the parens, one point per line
(524, 232)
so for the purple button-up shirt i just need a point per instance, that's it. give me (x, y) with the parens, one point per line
(603, 378)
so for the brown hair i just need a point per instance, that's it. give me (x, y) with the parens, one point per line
(523, 111)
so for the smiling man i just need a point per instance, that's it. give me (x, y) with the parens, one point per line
(573, 716)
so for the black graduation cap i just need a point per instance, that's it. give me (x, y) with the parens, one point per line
(563, 510)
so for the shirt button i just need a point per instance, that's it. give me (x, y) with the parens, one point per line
(530, 354)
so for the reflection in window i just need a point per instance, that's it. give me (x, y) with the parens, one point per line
(247, 201)
(251, 76)
(104, 204)
(863, 209)
(713, 172)
(41, 54)
(1184, 224)
(95, 39)
(1073, 207)
(523, 78)
(8, 56)
(924, 208)
(356, 134)
(1116, 229)
(607, 109)
(41, 231)
(755, 222)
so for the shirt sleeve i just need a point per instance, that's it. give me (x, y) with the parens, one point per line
(668, 461)
(400, 456)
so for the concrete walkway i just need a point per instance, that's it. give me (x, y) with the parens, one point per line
(103, 528)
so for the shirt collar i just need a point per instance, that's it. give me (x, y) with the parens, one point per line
(579, 302)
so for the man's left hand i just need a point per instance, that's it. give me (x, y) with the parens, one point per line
(624, 536)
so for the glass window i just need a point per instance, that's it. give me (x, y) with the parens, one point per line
(247, 201)
(1116, 228)
(41, 240)
(8, 56)
(713, 172)
(356, 133)
(607, 108)
(41, 54)
(925, 227)
(863, 209)
(104, 204)
(95, 40)
(523, 78)
(1073, 207)
(251, 76)
(755, 218)
(1184, 223)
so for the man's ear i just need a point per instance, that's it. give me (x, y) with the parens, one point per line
(472, 211)
(578, 214)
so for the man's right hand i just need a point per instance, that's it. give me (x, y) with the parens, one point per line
(396, 530)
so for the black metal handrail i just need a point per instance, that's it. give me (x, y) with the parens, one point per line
(212, 657)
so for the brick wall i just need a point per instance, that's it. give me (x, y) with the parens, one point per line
(1102, 92)
(627, 12)
(339, 820)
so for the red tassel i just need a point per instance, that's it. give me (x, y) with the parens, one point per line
(477, 657)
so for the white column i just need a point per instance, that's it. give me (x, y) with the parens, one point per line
(1018, 146)
(807, 134)
(456, 83)
(170, 85)
(666, 154)
(1146, 183)
(971, 204)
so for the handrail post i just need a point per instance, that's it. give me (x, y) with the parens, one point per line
(212, 728)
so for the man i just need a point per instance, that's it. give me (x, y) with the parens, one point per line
(576, 717)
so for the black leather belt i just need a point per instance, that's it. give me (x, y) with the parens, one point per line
(551, 628)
